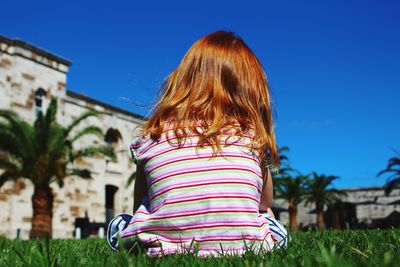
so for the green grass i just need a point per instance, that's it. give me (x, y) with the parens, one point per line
(327, 248)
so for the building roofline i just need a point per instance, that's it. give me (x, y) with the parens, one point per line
(366, 188)
(103, 104)
(37, 50)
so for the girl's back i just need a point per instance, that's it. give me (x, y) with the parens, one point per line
(204, 189)
(199, 199)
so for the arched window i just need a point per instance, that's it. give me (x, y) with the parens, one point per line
(39, 95)
(113, 137)
(113, 140)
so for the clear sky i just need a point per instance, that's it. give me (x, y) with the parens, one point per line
(334, 66)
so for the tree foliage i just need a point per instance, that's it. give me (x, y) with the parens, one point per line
(393, 168)
(44, 152)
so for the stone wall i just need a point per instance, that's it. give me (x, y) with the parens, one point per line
(370, 204)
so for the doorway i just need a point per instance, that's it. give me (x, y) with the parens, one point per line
(110, 196)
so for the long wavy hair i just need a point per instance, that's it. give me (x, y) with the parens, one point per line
(219, 85)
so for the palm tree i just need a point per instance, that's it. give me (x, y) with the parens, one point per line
(41, 153)
(292, 190)
(318, 190)
(393, 167)
(284, 168)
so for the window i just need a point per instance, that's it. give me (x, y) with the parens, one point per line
(40, 93)
(109, 201)
(113, 137)
(113, 140)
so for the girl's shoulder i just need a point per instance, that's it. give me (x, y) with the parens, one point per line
(142, 143)
(138, 144)
(231, 134)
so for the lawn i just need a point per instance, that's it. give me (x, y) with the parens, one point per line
(327, 248)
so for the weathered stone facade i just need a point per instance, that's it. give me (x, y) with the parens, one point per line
(28, 73)
(26, 70)
(364, 207)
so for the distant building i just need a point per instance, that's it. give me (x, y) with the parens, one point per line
(31, 76)
(363, 207)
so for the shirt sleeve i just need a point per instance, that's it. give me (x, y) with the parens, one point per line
(134, 148)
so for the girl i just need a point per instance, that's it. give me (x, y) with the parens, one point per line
(203, 157)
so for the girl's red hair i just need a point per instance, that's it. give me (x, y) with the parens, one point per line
(219, 84)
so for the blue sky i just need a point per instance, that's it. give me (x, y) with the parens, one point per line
(334, 67)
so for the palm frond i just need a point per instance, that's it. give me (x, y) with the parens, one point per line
(8, 115)
(9, 142)
(51, 112)
(392, 177)
(90, 130)
(284, 149)
(131, 178)
(395, 183)
(43, 126)
(93, 150)
(77, 121)
(22, 132)
(393, 162)
(393, 167)
(9, 162)
(383, 171)
(388, 171)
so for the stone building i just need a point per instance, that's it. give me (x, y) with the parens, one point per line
(29, 78)
(363, 207)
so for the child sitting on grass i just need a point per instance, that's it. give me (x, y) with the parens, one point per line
(203, 182)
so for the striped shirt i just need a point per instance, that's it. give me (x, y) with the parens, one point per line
(199, 201)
